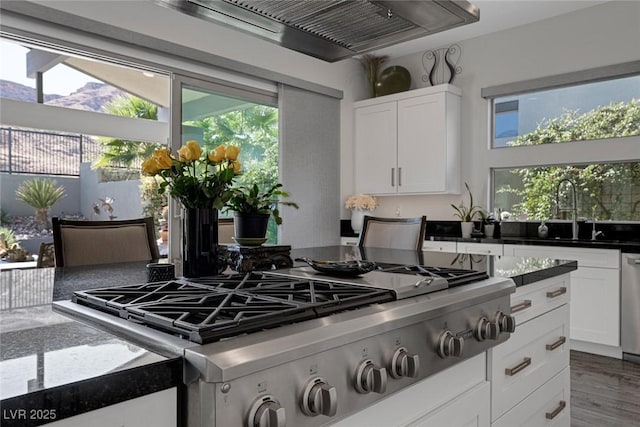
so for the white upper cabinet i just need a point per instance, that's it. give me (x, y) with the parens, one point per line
(408, 143)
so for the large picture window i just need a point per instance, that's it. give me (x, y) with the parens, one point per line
(552, 117)
(565, 114)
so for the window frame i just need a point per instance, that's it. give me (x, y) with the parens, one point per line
(609, 150)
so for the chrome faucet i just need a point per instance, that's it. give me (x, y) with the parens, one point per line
(574, 208)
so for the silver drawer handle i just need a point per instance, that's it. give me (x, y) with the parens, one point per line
(556, 344)
(521, 306)
(557, 292)
(519, 367)
(551, 415)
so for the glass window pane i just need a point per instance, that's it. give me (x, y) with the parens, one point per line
(216, 119)
(606, 109)
(606, 191)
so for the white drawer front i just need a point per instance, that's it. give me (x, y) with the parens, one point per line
(547, 406)
(350, 241)
(533, 300)
(537, 351)
(439, 246)
(586, 257)
(480, 248)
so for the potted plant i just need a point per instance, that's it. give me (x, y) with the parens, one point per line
(467, 214)
(252, 208)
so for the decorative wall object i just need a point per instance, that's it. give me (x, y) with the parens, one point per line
(441, 65)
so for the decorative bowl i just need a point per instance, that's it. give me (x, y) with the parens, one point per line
(340, 268)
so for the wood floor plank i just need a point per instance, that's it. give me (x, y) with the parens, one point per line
(604, 391)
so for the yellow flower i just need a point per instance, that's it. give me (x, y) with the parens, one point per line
(232, 152)
(218, 154)
(190, 151)
(150, 166)
(236, 166)
(162, 158)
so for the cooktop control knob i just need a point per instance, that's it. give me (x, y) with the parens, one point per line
(404, 364)
(486, 330)
(319, 398)
(506, 322)
(266, 412)
(449, 345)
(370, 378)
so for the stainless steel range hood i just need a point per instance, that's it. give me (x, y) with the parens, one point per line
(333, 29)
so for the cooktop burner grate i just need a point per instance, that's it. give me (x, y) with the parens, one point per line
(209, 309)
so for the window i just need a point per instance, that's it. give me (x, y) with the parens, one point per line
(601, 106)
(506, 122)
(606, 191)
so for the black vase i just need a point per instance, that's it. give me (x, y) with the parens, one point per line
(199, 242)
(250, 226)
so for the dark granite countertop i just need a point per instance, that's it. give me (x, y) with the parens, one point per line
(53, 365)
(523, 270)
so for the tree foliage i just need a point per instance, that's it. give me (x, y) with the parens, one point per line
(606, 191)
(125, 153)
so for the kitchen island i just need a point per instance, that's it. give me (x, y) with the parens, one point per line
(65, 396)
(53, 368)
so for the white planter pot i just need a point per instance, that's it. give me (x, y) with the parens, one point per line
(357, 219)
(467, 228)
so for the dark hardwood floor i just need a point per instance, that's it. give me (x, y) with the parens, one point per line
(604, 391)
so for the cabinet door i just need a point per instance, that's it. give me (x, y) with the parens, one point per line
(468, 410)
(422, 147)
(376, 149)
(157, 409)
(595, 305)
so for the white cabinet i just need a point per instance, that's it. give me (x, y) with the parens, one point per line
(471, 409)
(547, 406)
(408, 143)
(529, 373)
(595, 295)
(535, 353)
(158, 409)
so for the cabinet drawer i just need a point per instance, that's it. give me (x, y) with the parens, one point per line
(533, 300)
(349, 241)
(547, 406)
(439, 246)
(470, 409)
(480, 248)
(586, 257)
(537, 351)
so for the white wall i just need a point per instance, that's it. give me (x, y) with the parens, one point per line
(601, 35)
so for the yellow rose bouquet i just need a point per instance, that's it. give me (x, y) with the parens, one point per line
(195, 178)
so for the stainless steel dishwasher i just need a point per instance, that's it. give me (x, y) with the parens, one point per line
(630, 307)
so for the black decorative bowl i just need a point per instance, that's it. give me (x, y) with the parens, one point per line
(340, 268)
(393, 80)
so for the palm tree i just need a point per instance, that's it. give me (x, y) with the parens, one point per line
(124, 152)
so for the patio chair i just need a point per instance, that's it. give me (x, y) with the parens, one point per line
(80, 242)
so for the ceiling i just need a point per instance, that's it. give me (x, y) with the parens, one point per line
(495, 15)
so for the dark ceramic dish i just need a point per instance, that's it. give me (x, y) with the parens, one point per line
(340, 268)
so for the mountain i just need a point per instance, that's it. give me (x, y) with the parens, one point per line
(91, 97)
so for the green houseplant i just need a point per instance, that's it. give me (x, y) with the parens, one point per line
(253, 207)
(468, 213)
